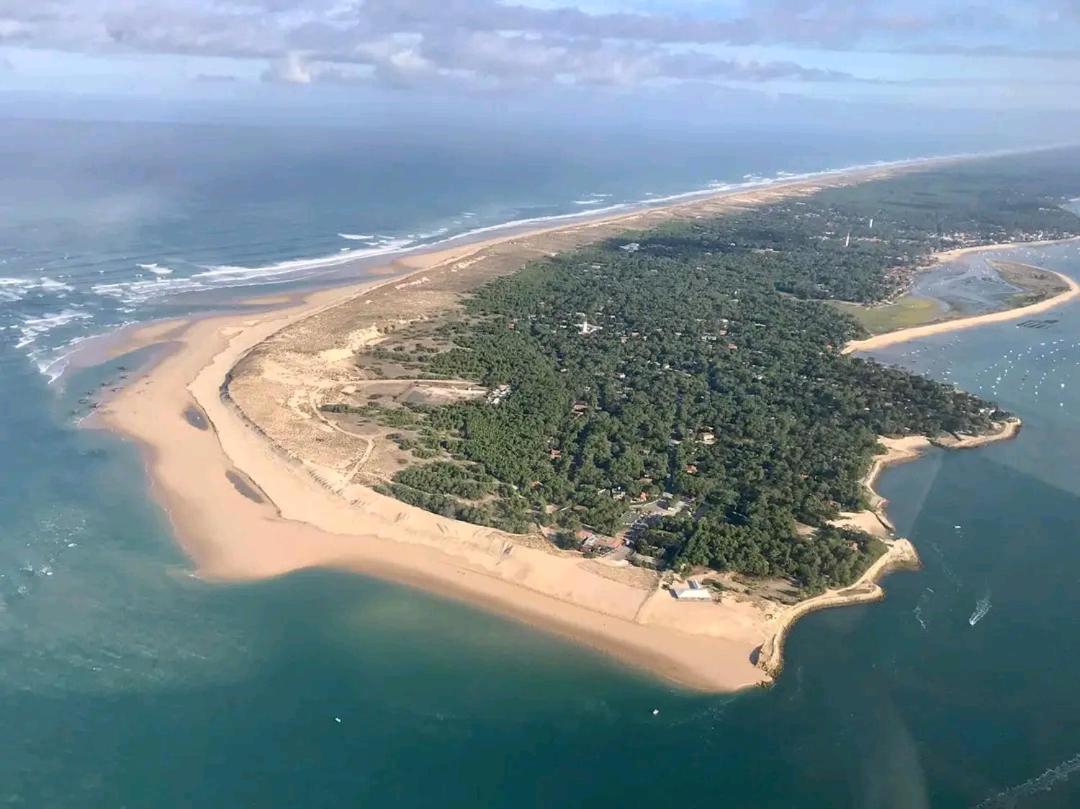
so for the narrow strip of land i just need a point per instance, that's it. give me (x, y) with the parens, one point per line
(959, 324)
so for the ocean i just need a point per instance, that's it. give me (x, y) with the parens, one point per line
(127, 682)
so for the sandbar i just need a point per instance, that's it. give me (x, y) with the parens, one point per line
(959, 324)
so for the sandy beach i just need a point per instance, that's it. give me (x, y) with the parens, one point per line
(256, 485)
(283, 520)
(959, 324)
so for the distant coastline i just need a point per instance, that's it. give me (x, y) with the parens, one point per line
(304, 516)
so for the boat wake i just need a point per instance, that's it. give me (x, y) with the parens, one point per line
(982, 606)
(924, 601)
(1006, 799)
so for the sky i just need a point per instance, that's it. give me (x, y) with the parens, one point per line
(1019, 60)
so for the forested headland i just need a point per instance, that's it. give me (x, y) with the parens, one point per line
(697, 366)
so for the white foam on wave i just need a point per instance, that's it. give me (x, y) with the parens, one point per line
(52, 365)
(535, 220)
(226, 274)
(15, 289)
(145, 290)
(33, 327)
(155, 268)
(357, 237)
(431, 234)
(592, 199)
(52, 285)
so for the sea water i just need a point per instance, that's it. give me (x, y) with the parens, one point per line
(125, 681)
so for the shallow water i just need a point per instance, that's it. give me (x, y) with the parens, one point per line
(968, 285)
(126, 682)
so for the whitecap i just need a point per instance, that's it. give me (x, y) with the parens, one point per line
(431, 234)
(144, 290)
(155, 268)
(14, 289)
(592, 199)
(33, 327)
(52, 285)
(230, 274)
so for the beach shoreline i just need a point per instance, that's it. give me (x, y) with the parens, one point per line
(286, 515)
(900, 554)
(899, 336)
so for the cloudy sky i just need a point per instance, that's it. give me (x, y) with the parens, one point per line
(934, 53)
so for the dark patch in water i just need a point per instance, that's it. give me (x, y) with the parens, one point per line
(244, 487)
(196, 418)
(1036, 324)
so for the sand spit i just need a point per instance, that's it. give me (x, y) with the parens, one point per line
(959, 324)
(265, 486)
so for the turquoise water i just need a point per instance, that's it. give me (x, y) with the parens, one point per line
(125, 682)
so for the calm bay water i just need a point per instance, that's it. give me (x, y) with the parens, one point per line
(125, 682)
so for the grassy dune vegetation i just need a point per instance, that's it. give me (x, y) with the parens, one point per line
(906, 311)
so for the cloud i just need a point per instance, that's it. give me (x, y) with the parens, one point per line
(289, 69)
(501, 43)
(404, 42)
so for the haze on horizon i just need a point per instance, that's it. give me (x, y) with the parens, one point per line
(1002, 68)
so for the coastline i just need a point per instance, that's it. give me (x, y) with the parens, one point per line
(289, 515)
(959, 252)
(901, 554)
(959, 324)
(294, 523)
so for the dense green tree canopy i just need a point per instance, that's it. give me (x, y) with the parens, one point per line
(710, 369)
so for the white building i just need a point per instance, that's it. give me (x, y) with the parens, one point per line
(693, 592)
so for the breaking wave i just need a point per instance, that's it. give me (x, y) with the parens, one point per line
(156, 269)
(31, 328)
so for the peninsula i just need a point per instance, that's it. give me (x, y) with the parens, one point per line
(578, 426)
